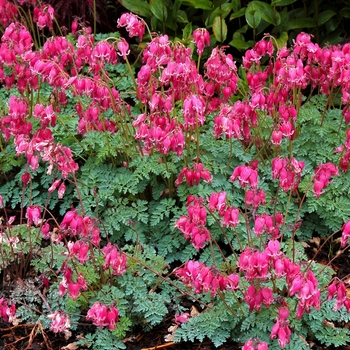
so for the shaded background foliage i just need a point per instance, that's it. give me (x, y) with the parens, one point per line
(238, 23)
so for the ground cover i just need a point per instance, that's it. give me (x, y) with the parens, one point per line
(163, 185)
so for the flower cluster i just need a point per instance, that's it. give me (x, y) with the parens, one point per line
(202, 39)
(194, 175)
(322, 176)
(8, 12)
(281, 328)
(7, 312)
(60, 322)
(338, 288)
(132, 24)
(288, 171)
(44, 16)
(102, 315)
(73, 224)
(246, 175)
(255, 344)
(67, 285)
(114, 259)
(205, 279)
(193, 225)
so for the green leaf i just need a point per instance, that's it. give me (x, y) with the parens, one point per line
(282, 40)
(220, 29)
(181, 16)
(140, 7)
(325, 16)
(239, 42)
(253, 15)
(345, 12)
(159, 9)
(282, 2)
(239, 13)
(300, 23)
(199, 4)
(266, 12)
(222, 11)
(187, 31)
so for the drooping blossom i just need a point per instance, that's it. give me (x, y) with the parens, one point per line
(102, 315)
(322, 177)
(7, 312)
(246, 175)
(182, 318)
(288, 171)
(255, 297)
(44, 16)
(60, 322)
(33, 215)
(193, 225)
(114, 259)
(204, 279)
(133, 25)
(281, 328)
(345, 234)
(202, 39)
(193, 175)
(255, 344)
(338, 288)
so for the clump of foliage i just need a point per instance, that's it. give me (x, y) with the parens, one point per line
(138, 163)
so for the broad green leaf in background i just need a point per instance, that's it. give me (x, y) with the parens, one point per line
(181, 16)
(282, 40)
(187, 31)
(222, 11)
(199, 4)
(238, 13)
(325, 16)
(140, 7)
(159, 9)
(235, 5)
(220, 29)
(345, 12)
(253, 17)
(266, 12)
(239, 42)
(300, 23)
(282, 2)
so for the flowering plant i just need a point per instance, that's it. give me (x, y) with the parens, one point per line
(121, 153)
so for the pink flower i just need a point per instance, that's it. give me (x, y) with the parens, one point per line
(217, 201)
(61, 190)
(45, 230)
(33, 215)
(134, 26)
(255, 297)
(123, 47)
(44, 16)
(255, 344)
(103, 316)
(8, 313)
(193, 175)
(322, 176)
(246, 175)
(60, 322)
(183, 318)
(202, 38)
(281, 328)
(75, 288)
(345, 234)
(231, 217)
(114, 259)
